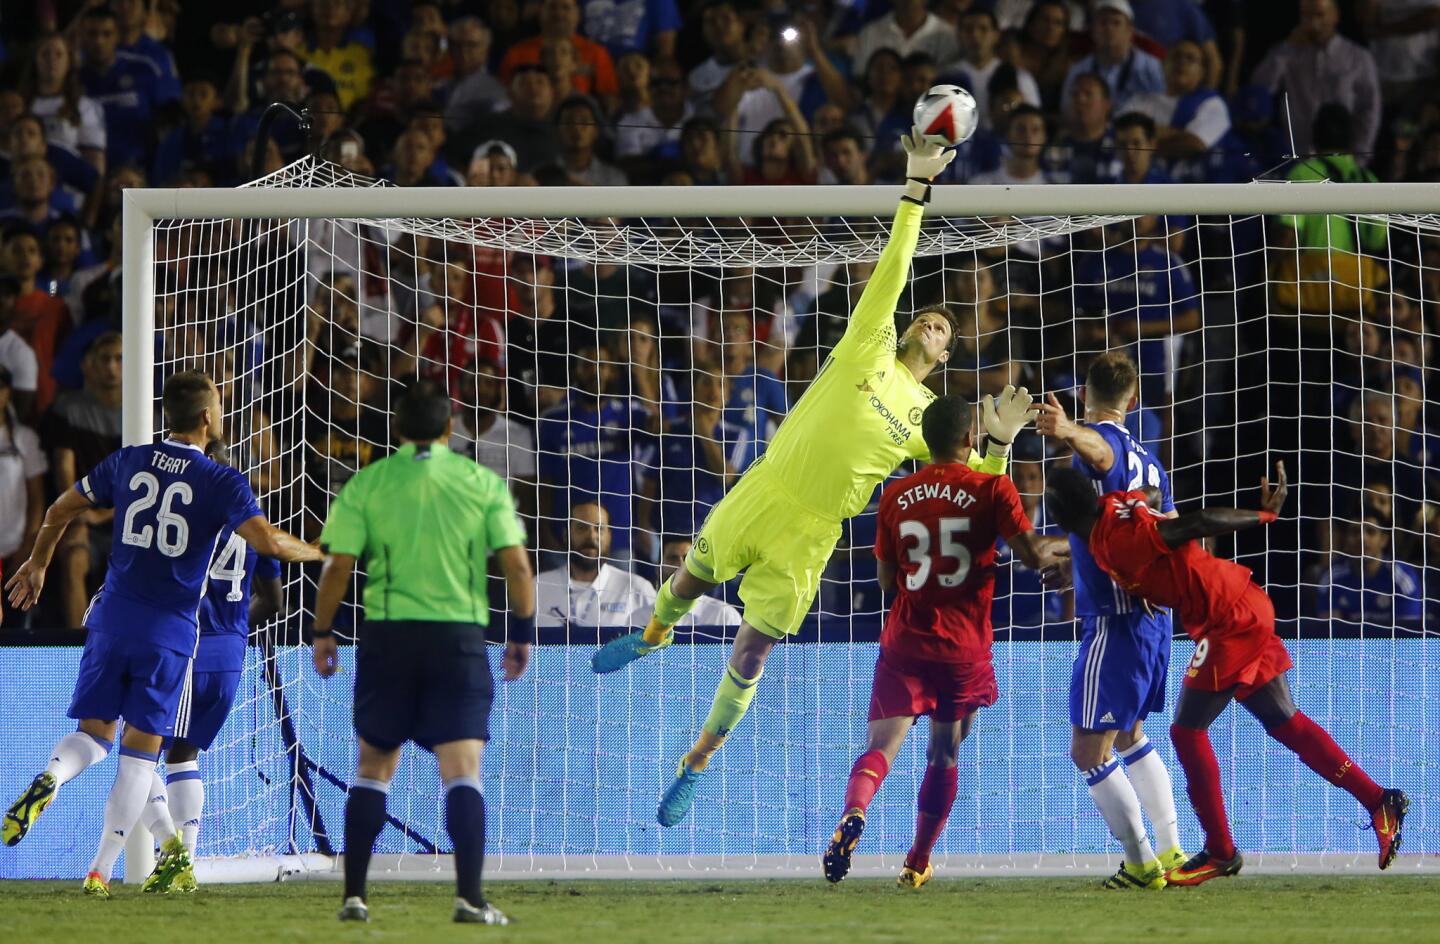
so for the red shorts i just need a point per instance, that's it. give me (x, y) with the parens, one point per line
(1244, 654)
(947, 691)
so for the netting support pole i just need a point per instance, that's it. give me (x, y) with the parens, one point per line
(137, 367)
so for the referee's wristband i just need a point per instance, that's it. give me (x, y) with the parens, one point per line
(520, 629)
(317, 633)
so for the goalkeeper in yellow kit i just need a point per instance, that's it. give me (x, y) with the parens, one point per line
(858, 421)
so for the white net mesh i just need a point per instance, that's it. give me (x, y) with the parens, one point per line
(645, 363)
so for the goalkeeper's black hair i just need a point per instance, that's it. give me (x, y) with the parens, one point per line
(423, 412)
(945, 424)
(1070, 499)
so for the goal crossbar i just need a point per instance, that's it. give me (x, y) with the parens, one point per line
(836, 200)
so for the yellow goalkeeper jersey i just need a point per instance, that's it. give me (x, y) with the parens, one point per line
(861, 417)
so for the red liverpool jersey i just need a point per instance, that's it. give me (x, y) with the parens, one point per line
(1201, 587)
(938, 527)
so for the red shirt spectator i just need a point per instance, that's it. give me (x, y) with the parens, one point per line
(594, 70)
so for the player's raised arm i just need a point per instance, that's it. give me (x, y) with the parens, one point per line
(876, 309)
(1212, 522)
(1092, 448)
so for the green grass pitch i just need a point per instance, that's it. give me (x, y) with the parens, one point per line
(1246, 910)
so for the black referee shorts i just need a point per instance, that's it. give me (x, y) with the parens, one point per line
(422, 681)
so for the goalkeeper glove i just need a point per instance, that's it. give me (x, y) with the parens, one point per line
(1006, 415)
(925, 159)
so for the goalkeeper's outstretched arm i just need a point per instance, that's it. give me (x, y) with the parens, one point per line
(876, 309)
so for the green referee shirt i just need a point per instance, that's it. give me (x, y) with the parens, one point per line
(424, 521)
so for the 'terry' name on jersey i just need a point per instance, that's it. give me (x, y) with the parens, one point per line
(172, 505)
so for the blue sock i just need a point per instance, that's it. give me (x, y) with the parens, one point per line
(364, 818)
(465, 821)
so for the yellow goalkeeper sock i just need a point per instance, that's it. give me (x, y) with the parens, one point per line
(732, 699)
(669, 610)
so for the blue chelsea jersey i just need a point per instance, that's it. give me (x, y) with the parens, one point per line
(172, 505)
(1134, 468)
(225, 608)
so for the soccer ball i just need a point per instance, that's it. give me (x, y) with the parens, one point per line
(946, 115)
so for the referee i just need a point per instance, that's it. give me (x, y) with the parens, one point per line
(425, 521)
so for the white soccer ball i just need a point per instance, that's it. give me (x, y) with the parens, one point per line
(946, 115)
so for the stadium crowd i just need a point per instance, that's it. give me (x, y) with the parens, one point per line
(653, 389)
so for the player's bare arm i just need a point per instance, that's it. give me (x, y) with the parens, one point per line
(334, 579)
(1039, 552)
(1053, 423)
(1212, 522)
(514, 565)
(29, 579)
(271, 541)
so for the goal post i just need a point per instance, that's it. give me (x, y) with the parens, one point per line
(577, 763)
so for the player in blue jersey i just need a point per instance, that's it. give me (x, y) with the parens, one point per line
(172, 506)
(243, 591)
(1119, 673)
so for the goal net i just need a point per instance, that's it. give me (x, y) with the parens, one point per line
(642, 362)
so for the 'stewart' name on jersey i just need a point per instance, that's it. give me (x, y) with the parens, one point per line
(1134, 468)
(171, 505)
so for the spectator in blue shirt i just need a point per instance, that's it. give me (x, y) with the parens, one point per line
(1127, 70)
(642, 26)
(1364, 585)
(75, 174)
(756, 402)
(1085, 147)
(695, 467)
(594, 446)
(282, 80)
(127, 86)
(35, 197)
(1150, 298)
(130, 17)
(1167, 22)
(202, 139)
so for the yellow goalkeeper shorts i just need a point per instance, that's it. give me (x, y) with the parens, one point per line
(759, 529)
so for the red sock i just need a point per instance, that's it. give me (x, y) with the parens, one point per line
(937, 795)
(1202, 784)
(1313, 745)
(865, 779)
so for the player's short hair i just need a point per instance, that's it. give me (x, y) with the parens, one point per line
(423, 412)
(185, 398)
(945, 424)
(1069, 497)
(950, 317)
(1134, 119)
(1111, 380)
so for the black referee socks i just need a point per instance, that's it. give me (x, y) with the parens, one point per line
(364, 818)
(465, 822)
